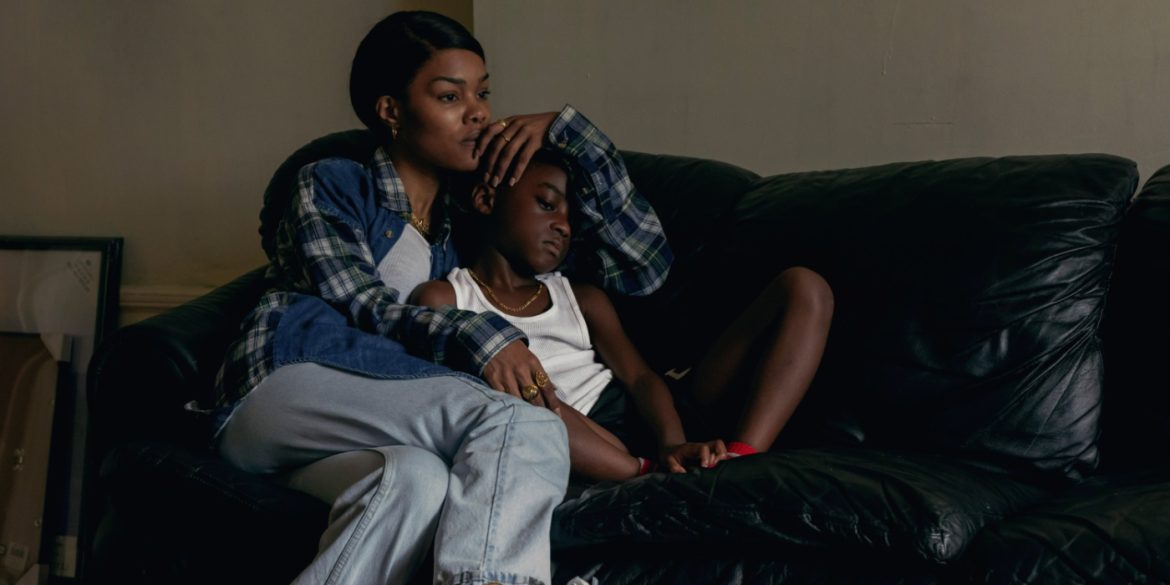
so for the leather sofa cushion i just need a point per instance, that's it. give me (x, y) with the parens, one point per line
(910, 508)
(1107, 530)
(709, 563)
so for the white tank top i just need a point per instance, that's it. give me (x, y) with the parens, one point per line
(558, 337)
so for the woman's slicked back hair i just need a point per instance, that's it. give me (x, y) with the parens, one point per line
(392, 53)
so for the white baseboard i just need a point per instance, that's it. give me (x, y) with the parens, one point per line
(138, 302)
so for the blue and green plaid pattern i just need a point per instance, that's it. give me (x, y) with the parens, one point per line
(632, 255)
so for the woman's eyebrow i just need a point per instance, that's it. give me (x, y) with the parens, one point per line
(457, 80)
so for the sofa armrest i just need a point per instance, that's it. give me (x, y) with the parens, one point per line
(1136, 413)
(180, 515)
(142, 375)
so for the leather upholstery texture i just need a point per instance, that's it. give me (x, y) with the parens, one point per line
(992, 396)
(969, 296)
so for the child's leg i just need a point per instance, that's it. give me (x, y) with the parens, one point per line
(595, 452)
(789, 321)
(602, 431)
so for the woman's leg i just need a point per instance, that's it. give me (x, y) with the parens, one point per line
(508, 460)
(400, 486)
(790, 322)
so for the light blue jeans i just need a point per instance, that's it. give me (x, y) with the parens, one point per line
(405, 462)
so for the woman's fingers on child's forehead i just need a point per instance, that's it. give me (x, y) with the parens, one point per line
(489, 163)
(507, 158)
(522, 159)
(491, 151)
(498, 165)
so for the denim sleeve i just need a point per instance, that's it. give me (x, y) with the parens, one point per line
(322, 249)
(627, 250)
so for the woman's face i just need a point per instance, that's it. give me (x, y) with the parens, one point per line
(446, 108)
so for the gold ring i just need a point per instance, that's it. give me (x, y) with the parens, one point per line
(503, 123)
(541, 379)
(529, 392)
(506, 139)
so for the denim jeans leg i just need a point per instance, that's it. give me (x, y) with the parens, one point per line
(508, 460)
(361, 488)
(527, 449)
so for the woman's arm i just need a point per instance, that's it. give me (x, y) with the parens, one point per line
(651, 396)
(629, 253)
(322, 250)
(440, 293)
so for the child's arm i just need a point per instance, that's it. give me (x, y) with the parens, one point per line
(649, 391)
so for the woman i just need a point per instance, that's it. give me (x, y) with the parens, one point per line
(418, 425)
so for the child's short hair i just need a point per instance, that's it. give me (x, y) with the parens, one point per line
(557, 159)
(463, 184)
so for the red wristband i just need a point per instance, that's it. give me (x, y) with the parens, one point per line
(740, 448)
(645, 466)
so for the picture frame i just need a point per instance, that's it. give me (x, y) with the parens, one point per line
(58, 300)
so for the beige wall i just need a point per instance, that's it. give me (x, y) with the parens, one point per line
(781, 86)
(162, 122)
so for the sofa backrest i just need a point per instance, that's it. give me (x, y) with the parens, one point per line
(1136, 423)
(969, 292)
(969, 295)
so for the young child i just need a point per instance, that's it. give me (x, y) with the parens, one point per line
(523, 235)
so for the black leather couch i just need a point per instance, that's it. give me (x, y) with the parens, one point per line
(992, 407)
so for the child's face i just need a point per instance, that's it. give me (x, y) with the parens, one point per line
(532, 218)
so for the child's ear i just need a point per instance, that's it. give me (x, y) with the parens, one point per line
(483, 198)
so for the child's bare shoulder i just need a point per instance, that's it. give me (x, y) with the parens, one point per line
(590, 297)
(433, 293)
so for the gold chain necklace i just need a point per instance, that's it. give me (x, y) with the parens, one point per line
(423, 226)
(492, 295)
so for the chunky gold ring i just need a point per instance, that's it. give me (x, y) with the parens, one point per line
(529, 392)
(541, 379)
(503, 123)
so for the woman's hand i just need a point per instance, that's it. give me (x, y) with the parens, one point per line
(507, 145)
(516, 371)
(673, 458)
